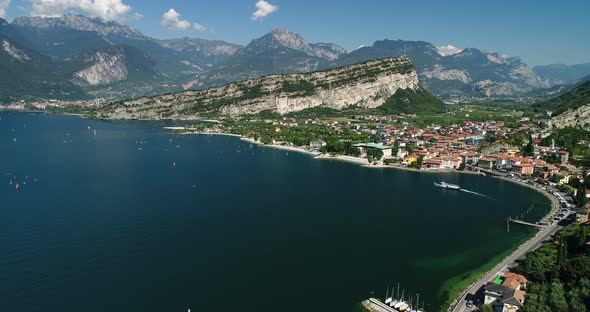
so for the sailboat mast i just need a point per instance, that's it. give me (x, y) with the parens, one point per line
(417, 301)
(397, 291)
(386, 291)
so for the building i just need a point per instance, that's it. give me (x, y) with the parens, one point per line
(503, 298)
(368, 146)
(563, 156)
(523, 169)
(475, 140)
(515, 281)
(486, 162)
(317, 144)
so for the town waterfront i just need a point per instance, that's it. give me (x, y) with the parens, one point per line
(125, 216)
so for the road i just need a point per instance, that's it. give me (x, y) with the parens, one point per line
(503, 266)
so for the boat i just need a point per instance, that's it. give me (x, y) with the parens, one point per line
(446, 185)
(401, 303)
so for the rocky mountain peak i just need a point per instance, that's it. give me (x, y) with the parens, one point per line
(3, 22)
(79, 22)
(280, 37)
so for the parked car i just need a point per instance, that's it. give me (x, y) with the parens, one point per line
(469, 303)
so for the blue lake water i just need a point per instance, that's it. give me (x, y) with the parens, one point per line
(125, 216)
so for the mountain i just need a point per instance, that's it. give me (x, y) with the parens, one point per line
(279, 51)
(368, 85)
(29, 75)
(560, 74)
(463, 73)
(200, 53)
(98, 55)
(111, 64)
(571, 100)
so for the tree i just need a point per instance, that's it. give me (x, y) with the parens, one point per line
(581, 198)
(463, 165)
(395, 149)
(557, 300)
(529, 149)
(374, 154)
(487, 308)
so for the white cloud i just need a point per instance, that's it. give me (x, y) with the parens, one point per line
(448, 50)
(263, 9)
(4, 4)
(108, 10)
(137, 16)
(199, 27)
(171, 20)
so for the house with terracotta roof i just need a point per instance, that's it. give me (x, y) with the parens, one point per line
(515, 281)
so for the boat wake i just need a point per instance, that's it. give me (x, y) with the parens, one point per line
(474, 193)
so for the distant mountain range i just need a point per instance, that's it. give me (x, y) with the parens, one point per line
(560, 74)
(69, 57)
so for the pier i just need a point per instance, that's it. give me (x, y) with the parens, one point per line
(375, 305)
(516, 221)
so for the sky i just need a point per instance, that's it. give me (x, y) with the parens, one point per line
(540, 32)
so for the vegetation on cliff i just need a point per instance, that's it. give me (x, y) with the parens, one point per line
(577, 97)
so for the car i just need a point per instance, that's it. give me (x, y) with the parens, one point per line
(469, 303)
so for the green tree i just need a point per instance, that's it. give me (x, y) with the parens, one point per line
(462, 165)
(557, 300)
(395, 149)
(581, 198)
(529, 148)
(374, 154)
(487, 308)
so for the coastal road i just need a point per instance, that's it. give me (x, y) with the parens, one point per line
(503, 266)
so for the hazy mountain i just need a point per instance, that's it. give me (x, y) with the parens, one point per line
(559, 74)
(279, 51)
(87, 52)
(466, 72)
(200, 53)
(64, 37)
(573, 99)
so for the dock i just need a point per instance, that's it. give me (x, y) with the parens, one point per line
(375, 305)
(525, 223)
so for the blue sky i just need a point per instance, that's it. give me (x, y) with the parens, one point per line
(541, 32)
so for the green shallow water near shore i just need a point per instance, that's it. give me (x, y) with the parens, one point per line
(134, 218)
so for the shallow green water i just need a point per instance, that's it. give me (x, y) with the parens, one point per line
(133, 218)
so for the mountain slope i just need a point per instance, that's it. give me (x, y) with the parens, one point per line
(111, 64)
(366, 85)
(573, 99)
(279, 51)
(560, 74)
(469, 72)
(64, 37)
(28, 75)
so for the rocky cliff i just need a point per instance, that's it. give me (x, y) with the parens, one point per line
(366, 84)
(576, 118)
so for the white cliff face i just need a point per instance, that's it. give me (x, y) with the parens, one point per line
(17, 54)
(439, 72)
(366, 85)
(295, 41)
(107, 68)
(579, 117)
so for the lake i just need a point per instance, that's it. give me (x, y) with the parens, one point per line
(125, 216)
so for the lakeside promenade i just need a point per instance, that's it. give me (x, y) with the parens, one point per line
(460, 303)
